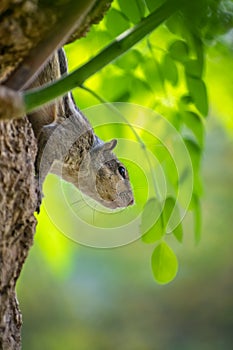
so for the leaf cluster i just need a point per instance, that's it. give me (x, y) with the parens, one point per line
(165, 72)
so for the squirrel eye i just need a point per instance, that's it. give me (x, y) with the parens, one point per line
(122, 171)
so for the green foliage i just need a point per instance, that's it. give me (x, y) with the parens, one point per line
(179, 51)
(196, 207)
(194, 122)
(152, 225)
(171, 214)
(159, 218)
(169, 70)
(153, 4)
(197, 90)
(164, 263)
(134, 10)
(164, 72)
(116, 23)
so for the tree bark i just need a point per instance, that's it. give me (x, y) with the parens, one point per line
(23, 24)
(18, 202)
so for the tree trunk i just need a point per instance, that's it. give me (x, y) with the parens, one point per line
(23, 24)
(18, 202)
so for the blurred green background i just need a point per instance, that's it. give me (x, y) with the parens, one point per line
(75, 297)
(86, 298)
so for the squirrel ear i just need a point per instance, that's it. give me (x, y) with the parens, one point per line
(108, 146)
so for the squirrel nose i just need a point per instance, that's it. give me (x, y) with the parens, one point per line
(131, 202)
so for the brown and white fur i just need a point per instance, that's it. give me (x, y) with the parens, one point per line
(69, 147)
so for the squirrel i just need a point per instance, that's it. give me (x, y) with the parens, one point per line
(68, 146)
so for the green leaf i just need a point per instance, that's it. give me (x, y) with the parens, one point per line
(116, 23)
(194, 123)
(171, 171)
(186, 99)
(121, 83)
(170, 71)
(152, 228)
(194, 68)
(153, 4)
(178, 233)
(199, 50)
(169, 205)
(173, 116)
(133, 9)
(139, 89)
(175, 25)
(171, 216)
(155, 233)
(179, 50)
(164, 263)
(152, 73)
(196, 208)
(197, 90)
(130, 60)
(195, 155)
(194, 152)
(151, 211)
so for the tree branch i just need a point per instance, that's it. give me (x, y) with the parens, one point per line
(74, 14)
(35, 98)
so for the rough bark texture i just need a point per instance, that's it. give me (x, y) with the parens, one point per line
(23, 24)
(18, 201)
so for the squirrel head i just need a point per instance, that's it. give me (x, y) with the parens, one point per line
(89, 166)
(104, 178)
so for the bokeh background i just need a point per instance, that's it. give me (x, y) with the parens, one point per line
(74, 297)
(77, 297)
